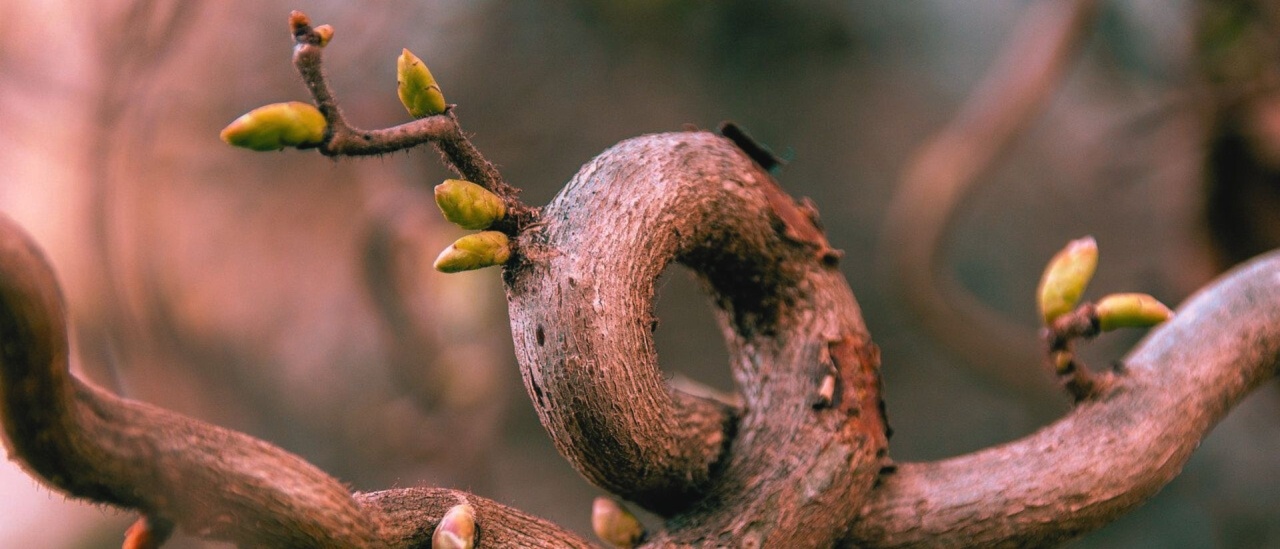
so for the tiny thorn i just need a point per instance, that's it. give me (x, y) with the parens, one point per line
(826, 392)
(754, 149)
(831, 257)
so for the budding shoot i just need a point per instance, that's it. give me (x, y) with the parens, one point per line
(276, 126)
(1131, 311)
(474, 251)
(417, 88)
(1066, 277)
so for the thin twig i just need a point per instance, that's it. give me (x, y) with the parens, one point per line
(442, 130)
(1060, 338)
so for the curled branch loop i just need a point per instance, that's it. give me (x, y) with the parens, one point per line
(581, 305)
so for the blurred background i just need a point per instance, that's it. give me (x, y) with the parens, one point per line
(290, 296)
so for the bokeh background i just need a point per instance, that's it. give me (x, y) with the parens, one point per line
(291, 297)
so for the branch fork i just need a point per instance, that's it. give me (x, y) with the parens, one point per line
(442, 130)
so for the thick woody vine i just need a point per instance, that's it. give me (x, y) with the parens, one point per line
(801, 462)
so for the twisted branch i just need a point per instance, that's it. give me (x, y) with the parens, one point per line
(811, 435)
(802, 466)
(1110, 453)
(210, 481)
(803, 463)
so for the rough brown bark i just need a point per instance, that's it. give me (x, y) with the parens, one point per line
(210, 481)
(790, 471)
(1109, 454)
(799, 465)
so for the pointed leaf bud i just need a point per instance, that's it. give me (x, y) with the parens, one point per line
(474, 251)
(614, 524)
(325, 32)
(1130, 311)
(457, 530)
(1066, 277)
(418, 89)
(276, 126)
(468, 205)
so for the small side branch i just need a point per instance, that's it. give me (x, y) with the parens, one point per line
(1109, 454)
(442, 130)
(1060, 338)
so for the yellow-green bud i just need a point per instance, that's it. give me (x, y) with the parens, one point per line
(325, 32)
(614, 524)
(1066, 277)
(468, 205)
(474, 251)
(417, 88)
(457, 530)
(276, 126)
(1131, 311)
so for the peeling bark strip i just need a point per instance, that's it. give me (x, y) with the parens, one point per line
(580, 307)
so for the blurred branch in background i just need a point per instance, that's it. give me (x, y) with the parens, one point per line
(943, 172)
(1239, 63)
(217, 290)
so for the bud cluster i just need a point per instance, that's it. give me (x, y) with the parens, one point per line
(1068, 274)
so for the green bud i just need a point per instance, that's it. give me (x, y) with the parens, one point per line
(457, 530)
(417, 88)
(468, 205)
(614, 524)
(276, 126)
(474, 251)
(1066, 277)
(1131, 311)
